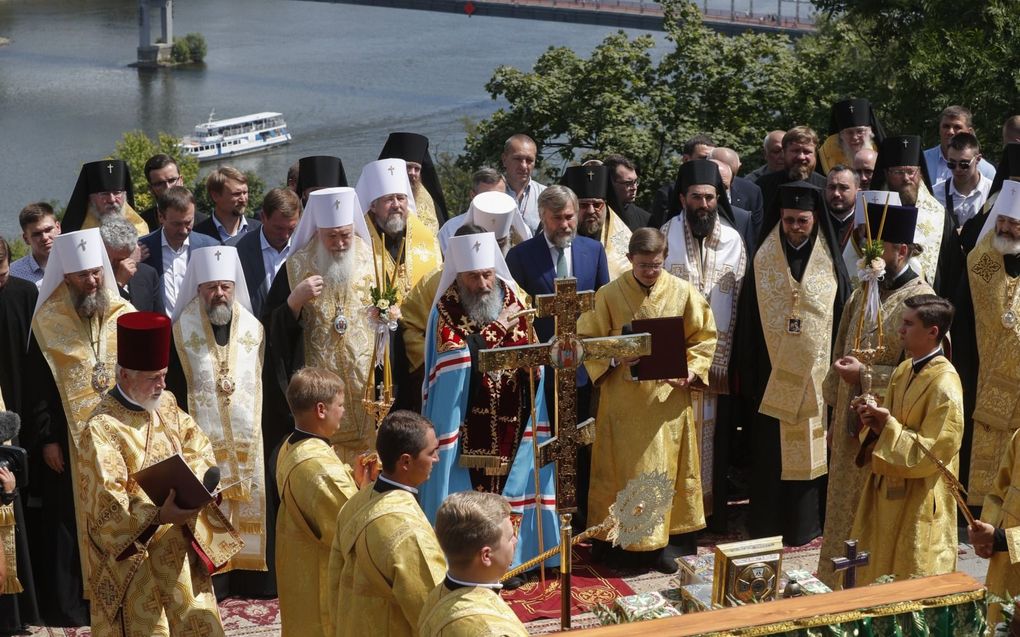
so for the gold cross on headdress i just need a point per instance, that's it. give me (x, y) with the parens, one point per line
(82, 245)
(217, 255)
(109, 168)
(391, 169)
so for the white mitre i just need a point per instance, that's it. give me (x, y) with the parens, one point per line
(381, 178)
(470, 252)
(497, 213)
(1007, 204)
(215, 263)
(74, 252)
(330, 208)
(880, 197)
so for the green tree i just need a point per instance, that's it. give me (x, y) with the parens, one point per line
(135, 148)
(189, 49)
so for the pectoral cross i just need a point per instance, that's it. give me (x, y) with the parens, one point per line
(591, 174)
(850, 563)
(392, 170)
(109, 168)
(217, 255)
(82, 244)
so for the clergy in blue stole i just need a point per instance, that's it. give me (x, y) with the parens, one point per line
(483, 420)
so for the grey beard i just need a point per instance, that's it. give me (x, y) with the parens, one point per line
(95, 304)
(701, 224)
(591, 229)
(850, 152)
(116, 210)
(1005, 245)
(220, 314)
(335, 269)
(562, 241)
(482, 308)
(394, 225)
(150, 404)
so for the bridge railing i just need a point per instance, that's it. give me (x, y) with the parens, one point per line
(788, 13)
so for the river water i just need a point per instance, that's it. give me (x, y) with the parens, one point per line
(342, 75)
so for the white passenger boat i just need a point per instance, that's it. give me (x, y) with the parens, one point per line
(216, 139)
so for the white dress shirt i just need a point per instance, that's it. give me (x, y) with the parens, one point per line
(527, 203)
(175, 263)
(272, 259)
(965, 206)
(554, 252)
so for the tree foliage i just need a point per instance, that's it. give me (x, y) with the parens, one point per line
(190, 49)
(911, 58)
(135, 148)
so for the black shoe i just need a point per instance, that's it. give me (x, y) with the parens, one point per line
(513, 583)
(665, 560)
(685, 543)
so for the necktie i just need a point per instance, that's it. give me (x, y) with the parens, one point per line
(561, 263)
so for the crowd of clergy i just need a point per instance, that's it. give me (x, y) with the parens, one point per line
(850, 326)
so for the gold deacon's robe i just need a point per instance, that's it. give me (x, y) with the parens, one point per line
(415, 311)
(348, 355)
(425, 207)
(616, 240)
(800, 360)
(384, 561)
(232, 420)
(648, 426)
(1002, 510)
(420, 254)
(147, 579)
(468, 611)
(92, 219)
(846, 479)
(906, 516)
(997, 410)
(66, 342)
(314, 485)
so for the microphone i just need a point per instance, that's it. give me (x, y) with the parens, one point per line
(211, 479)
(10, 425)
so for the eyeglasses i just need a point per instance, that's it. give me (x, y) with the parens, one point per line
(903, 172)
(648, 267)
(629, 183)
(166, 183)
(593, 204)
(962, 165)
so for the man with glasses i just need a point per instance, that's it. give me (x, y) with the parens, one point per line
(596, 220)
(966, 191)
(953, 120)
(899, 169)
(161, 172)
(624, 178)
(854, 127)
(103, 189)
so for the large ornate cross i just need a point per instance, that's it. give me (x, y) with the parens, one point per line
(565, 353)
(850, 563)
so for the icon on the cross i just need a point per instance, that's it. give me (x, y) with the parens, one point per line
(591, 174)
(82, 244)
(477, 246)
(109, 168)
(217, 255)
(392, 170)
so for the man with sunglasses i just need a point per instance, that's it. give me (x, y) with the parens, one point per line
(966, 191)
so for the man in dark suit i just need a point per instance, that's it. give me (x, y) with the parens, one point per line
(168, 249)
(744, 219)
(800, 144)
(263, 253)
(136, 282)
(558, 251)
(162, 173)
(228, 189)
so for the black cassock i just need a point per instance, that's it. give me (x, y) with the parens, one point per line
(791, 508)
(17, 301)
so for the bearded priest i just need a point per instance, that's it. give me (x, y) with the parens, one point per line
(150, 561)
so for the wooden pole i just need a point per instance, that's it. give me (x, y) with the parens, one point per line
(565, 553)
